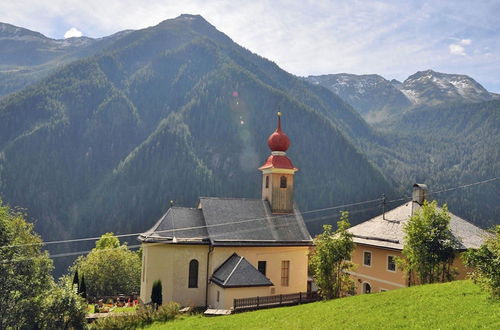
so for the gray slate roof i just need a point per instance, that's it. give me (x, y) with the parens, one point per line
(389, 233)
(171, 228)
(231, 222)
(238, 272)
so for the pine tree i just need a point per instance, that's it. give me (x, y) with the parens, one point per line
(156, 294)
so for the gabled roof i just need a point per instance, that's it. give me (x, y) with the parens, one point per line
(171, 228)
(236, 272)
(239, 221)
(387, 231)
(229, 222)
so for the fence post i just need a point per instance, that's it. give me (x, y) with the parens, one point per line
(281, 299)
(234, 304)
(300, 297)
(257, 301)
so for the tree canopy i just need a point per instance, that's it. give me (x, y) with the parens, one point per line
(330, 261)
(429, 245)
(29, 296)
(485, 262)
(109, 269)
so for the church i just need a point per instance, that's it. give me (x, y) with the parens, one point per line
(231, 248)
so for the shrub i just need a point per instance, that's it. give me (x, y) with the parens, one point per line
(144, 316)
(486, 264)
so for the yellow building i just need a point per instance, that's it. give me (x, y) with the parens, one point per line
(229, 248)
(379, 241)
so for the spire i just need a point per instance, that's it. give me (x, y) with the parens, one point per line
(278, 141)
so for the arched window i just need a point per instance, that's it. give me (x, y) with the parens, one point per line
(267, 181)
(193, 274)
(367, 288)
(283, 182)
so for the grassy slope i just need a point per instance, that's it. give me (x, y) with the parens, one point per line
(455, 305)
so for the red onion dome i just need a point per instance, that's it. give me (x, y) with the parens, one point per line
(278, 141)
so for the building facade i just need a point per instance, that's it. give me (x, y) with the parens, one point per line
(229, 248)
(379, 241)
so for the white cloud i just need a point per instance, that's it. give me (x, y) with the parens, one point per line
(465, 42)
(457, 49)
(73, 32)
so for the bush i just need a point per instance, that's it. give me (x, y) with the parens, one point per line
(485, 262)
(62, 309)
(144, 316)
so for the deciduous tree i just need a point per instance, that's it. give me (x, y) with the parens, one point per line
(485, 262)
(28, 294)
(429, 245)
(329, 263)
(110, 268)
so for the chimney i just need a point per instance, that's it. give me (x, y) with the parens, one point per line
(419, 193)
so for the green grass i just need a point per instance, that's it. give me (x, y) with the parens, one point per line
(455, 305)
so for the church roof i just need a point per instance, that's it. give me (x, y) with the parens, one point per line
(236, 271)
(230, 222)
(172, 227)
(387, 231)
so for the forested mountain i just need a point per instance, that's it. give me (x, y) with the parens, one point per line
(178, 110)
(172, 112)
(446, 134)
(27, 56)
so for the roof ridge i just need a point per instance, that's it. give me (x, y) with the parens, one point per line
(234, 269)
(240, 198)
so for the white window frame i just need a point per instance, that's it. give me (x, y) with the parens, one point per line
(371, 258)
(387, 263)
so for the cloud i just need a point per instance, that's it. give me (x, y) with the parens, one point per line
(457, 49)
(73, 32)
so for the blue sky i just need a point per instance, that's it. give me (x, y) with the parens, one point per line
(392, 38)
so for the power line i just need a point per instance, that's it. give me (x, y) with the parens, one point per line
(248, 220)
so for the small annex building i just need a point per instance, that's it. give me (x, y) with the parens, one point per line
(379, 241)
(230, 248)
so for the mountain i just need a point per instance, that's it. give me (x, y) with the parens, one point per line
(379, 100)
(27, 56)
(374, 97)
(173, 112)
(445, 146)
(433, 88)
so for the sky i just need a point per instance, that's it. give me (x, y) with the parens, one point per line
(392, 38)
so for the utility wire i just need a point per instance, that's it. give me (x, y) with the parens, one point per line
(248, 220)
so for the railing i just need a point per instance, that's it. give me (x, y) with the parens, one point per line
(275, 300)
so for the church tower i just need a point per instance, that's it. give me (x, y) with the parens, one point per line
(278, 172)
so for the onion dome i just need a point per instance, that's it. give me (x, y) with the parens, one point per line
(278, 141)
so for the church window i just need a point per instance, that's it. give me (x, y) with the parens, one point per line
(283, 182)
(267, 181)
(261, 266)
(193, 274)
(285, 272)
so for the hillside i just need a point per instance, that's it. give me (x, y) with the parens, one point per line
(373, 96)
(448, 135)
(171, 112)
(453, 305)
(27, 56)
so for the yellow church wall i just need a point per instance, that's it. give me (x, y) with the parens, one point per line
(227, 295)
(378, 276)
(170, 264)
(297, 255)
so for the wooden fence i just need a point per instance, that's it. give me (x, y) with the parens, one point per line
(275, 300)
